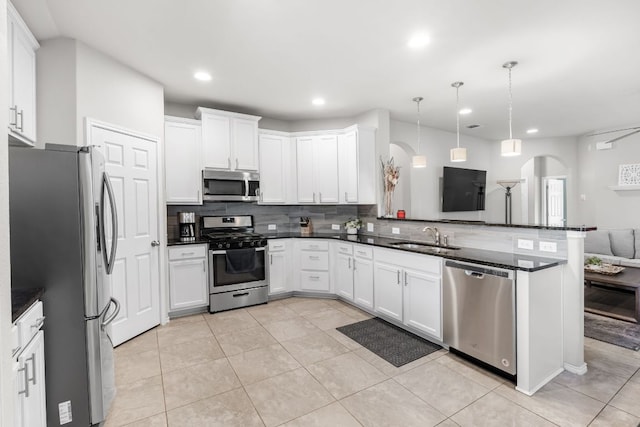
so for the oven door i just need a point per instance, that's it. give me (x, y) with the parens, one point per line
(221, 279)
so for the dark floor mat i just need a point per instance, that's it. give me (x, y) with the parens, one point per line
(613, 331)
(393, 344)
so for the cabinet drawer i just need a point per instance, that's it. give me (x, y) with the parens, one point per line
(345, 248)
(314, 245)
(314, 280)
(15, 340)
(277, 245)
(314, 260)
(30, 323)
(187, 251)
(365, 252)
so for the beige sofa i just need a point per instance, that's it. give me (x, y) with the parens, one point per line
(620, 246)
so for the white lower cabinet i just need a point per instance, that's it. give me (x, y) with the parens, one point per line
(314, 265)
(388, 290)
(343, 270)
(279, 267)
(407, 294)
(363, 276)
(188, 268)
(30, 404)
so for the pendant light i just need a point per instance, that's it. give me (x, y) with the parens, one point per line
(510, 147)
(418, 161)
(458, 154)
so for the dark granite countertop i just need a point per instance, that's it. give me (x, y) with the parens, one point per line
(479, 256)
(22, 299)
(495, 224)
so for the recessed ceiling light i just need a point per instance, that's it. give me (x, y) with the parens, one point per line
(530, 131)
(418, 41)
(318, 101)
(464, 111)
(203, 76)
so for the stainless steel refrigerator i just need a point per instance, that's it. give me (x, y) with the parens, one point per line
(63, 238)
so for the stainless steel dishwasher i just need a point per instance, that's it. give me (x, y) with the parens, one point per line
(479, 313)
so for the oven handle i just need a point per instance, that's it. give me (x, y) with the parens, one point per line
(224, 251)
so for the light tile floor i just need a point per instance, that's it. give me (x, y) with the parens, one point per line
(285, 364)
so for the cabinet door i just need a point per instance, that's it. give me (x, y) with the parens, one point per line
(216, 141)
(188, 284)
(245, 145)
(183, 169)
(279, 276)
(273, 186)
(363, 282)
(348, 167)
(34, 399)
(388, 290)
(19, 384)
(422, 302)
(304, 162)
(325, 162)
(344, 276)
(22, 78)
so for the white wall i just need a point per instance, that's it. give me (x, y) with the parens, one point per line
(426, 183)
(604, 207)
(76, 81)
(6, 383)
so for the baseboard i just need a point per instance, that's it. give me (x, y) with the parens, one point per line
(578, 370)
(540, 384)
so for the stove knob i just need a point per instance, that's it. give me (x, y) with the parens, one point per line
(219, 245)
(228, 245)
(239, 244)
(252, 243)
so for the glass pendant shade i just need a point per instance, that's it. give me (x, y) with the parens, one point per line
(459, 154)
(419, 161)
(511, 147)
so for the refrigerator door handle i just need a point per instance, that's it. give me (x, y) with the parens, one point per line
(106, 184)
(113, 315)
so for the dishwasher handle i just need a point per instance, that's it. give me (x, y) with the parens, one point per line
(478, 271)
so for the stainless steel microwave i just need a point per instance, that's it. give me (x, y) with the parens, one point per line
(230, 186)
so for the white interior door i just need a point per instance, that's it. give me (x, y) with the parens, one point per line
(555, 201)
(131, 162)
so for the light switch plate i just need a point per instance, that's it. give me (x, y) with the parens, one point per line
(395, 230)
(548, 246)
(271, 227)
(335, 226)
(525, 244)
(370, 227)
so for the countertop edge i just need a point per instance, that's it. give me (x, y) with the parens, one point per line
(22, 299)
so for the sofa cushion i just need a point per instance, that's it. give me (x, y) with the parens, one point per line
(622, 242)
(636, 232)
(597, 242)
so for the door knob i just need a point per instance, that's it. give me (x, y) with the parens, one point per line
(155, 243)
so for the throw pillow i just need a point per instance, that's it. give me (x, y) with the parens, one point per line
(622, 242)
(597, 242)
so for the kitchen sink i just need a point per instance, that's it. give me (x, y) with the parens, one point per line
(426, 247)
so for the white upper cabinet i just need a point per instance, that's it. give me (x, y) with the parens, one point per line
(183, 161)
(357, 166)
(274, 166)
(21, 50)
(317, 169)
(229, 140)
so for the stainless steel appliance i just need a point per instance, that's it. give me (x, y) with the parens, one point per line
(237, 273)
(479, 314)
(63, 224)
(187, 221)
(230, 186)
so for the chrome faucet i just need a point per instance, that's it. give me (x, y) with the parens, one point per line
(436, 234)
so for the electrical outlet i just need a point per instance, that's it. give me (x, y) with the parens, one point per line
(524, 263)
(395, 230)
(525, 244)
(271, 227)
(548, 246)
(335, 226)
(370, 227)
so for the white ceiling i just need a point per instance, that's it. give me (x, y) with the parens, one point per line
(579, 59)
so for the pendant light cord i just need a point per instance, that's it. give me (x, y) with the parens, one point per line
(458, 116)
(510, 105)
(418, 102)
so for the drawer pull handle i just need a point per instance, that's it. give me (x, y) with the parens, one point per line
(33, 365)
(187, 253)
(26, 381)
(15, 110)
(16, 350)
(243, 294)
(349, 263)
(314, 277)
(362, 253)
(314, 258)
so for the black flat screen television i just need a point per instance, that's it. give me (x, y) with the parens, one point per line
(463, 189)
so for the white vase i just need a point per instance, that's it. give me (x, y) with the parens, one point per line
(352, 231)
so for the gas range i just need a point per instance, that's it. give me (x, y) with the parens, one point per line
(231, 232)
